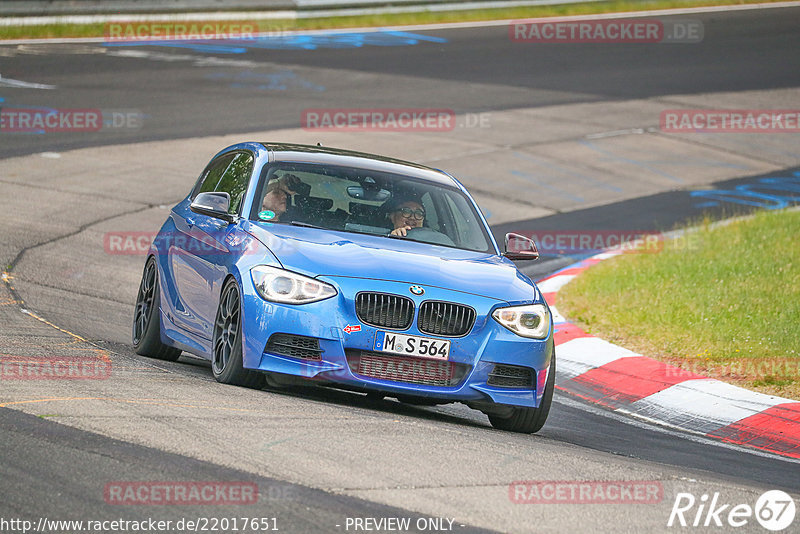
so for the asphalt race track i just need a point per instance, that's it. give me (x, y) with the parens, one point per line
(548, 137)
(474, 70)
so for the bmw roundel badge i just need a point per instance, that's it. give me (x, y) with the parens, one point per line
(416, 290)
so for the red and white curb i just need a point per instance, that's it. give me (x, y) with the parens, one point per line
(624, 381)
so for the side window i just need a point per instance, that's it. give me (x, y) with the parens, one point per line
(467, 229)
(235, 179)
(213, 174)
(431, 215)
(229, 174)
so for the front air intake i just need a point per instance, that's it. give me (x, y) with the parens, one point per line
(423, 371)
(305, 348)
(510, 376)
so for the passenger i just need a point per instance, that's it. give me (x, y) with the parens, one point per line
(278, 195)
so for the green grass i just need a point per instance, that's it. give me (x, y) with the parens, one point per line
(724, 302)
(612, 6)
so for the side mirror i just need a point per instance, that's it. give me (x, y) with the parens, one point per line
(519, 247)
(214, 205)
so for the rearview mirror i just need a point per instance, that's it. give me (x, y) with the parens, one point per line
(214, 205)
(519, 247)
(374, 194)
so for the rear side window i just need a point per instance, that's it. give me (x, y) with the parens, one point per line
(229, 174)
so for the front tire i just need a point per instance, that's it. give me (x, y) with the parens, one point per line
(147, 318)
(529, 420)
(226, 362)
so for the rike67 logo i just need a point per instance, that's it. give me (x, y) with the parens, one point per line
(774, 510)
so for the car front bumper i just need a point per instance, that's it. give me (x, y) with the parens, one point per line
(346, 347)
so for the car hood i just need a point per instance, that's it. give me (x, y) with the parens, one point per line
(317, 252)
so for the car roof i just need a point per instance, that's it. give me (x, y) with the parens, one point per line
(297, 153)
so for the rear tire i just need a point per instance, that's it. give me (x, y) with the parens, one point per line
(147, 318)
(226, 360)
(529, 420)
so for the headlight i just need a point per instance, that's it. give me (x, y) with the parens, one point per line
(532, 320)
(278, 285)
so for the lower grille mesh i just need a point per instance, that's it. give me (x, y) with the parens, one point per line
(405, 369)
(305, 348)
(510, 376)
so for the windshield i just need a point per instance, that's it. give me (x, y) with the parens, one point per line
(369, 202)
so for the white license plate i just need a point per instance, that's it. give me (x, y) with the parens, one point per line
(423, 347)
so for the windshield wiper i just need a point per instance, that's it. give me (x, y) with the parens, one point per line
(307, 225)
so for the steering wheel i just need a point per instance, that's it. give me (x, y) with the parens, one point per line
(428, 235)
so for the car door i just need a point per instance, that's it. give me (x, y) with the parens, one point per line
(199, 265)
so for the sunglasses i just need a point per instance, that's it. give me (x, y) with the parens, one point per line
(282, 191)
(408, 212)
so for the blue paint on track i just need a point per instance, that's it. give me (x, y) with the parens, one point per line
(768, 193)
(292, 42)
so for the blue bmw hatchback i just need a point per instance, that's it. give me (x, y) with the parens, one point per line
(293, 263)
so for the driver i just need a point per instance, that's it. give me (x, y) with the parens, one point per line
(279, 192)
(405, 216)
